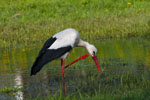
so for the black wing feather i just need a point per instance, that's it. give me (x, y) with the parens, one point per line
(47, 56)
(46, 45)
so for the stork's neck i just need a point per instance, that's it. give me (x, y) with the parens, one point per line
(83, 44)
(89, 47)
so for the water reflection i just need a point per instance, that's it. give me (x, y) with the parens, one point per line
(118, 59)
(18, 85)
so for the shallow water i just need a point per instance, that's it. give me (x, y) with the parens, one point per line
(117, 58)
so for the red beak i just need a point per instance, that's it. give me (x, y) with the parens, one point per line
(96, 62)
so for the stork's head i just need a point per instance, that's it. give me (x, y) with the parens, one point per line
(92, 50)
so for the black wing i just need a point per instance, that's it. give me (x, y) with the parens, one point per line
(46, 45)
(46, 56)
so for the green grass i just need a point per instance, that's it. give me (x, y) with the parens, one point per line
(8, 90)
(29, 22)
(131, 95)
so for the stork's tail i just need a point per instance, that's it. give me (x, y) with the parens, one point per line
(40, 62)
(37, 66)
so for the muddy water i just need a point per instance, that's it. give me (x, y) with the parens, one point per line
(117, 58)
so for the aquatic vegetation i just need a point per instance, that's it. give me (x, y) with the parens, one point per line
(125, 73)
(132, 95)
(8, 90)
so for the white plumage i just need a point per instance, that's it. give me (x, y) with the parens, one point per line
(67, 37)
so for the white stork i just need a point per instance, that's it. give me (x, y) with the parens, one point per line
(58, 47)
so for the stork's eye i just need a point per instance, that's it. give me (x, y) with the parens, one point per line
(94, 53)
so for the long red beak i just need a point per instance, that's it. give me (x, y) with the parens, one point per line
(96, 62)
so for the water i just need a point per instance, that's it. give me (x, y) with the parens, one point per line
(123, 62)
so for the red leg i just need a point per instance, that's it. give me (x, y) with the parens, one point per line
(80, 58)
(62, 68)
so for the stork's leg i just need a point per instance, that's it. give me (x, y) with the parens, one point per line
(80, 58)
(62, 68)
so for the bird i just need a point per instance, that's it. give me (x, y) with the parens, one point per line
(59, 46)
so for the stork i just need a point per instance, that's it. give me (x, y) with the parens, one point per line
(58, 47)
